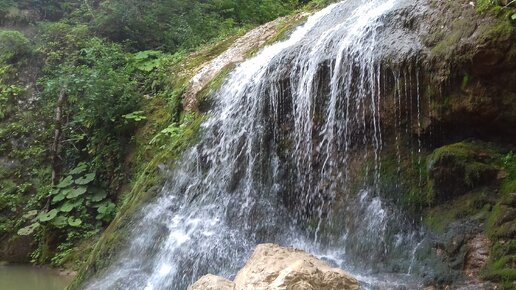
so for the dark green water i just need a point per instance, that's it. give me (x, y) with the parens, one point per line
(22, 277)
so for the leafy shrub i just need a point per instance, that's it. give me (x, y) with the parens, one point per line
(61, 42)
(100, 93)
(171, 25)
(13, 46)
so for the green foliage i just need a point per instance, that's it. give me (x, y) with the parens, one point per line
(101, 97)
(509, 184)
(5, 5)
(484, 5)
(476, 204)
(59, 42)
(508, 159)
(500, 267)
(175, 133)
(136, 116)
(146, 61)
(8, 94)
(76, 198)
(28, 230)
(181, 24)
(13, 46)
(146, 184)
(506, 8)
(85, 179)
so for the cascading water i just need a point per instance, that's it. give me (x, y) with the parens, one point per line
(277, 158)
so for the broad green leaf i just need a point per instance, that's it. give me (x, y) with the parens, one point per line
(55, 191)
(149, 65)
(30, 214)
(61, 196)
(67, 207)
(76, 191)
(142, 55)
(70, 205)
(81, 167)
(135, 116)
(105, 210)
(48, 216)
(65, 182)
(60, 221)
(74, 222)
(98, 195)
(85, 179)
(28, 229)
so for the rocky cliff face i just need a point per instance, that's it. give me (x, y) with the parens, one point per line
(466, 180)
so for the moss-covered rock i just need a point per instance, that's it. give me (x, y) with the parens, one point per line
(16, 249)
(477, 182)
(501, 228)
(455, 169)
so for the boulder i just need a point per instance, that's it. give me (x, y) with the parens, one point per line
(16, 249)
(212, 282)
(272, 267)
(458, 168)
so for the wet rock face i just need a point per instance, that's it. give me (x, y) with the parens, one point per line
(477, 255)
(16, 250)
(472, 59)
(272, 267)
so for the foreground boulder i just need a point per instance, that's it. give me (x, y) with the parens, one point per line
(276, 268)
(212, 282)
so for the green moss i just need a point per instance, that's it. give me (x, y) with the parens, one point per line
(500, 224)
(509, 183)
(484, 5)
(454, 169)
(492, 206)
(209, 52)
(475, 204)
(495, 7)
(459, 29)
(500, 267)
(501, 228)
(402, 179)
(405, 182)
(283, 30)
(497, 27)
(204, 97)
(466, 80)
(476, 171)
(500, 30)
(466, 150)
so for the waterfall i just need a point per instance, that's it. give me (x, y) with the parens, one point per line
(277, 161)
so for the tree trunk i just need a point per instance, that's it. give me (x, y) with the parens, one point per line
(58, 132)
